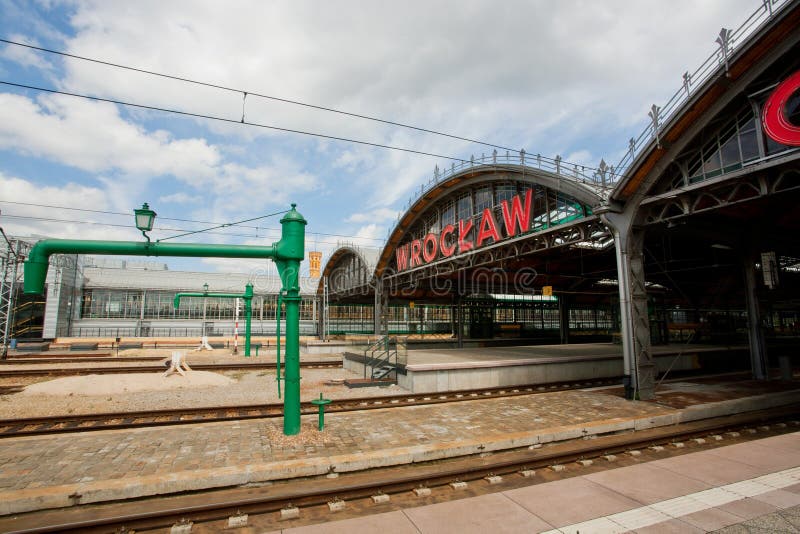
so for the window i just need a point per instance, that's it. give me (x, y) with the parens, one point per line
(483, 199)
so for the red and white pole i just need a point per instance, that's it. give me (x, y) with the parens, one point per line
(236, 329)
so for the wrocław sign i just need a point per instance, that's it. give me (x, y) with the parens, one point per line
(456, 239)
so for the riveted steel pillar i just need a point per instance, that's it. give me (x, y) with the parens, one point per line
(563, 316)
(378, 311)
(755, 335)
(642, 350)
(639, 366)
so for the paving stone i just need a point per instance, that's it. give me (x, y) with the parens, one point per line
(257, 450)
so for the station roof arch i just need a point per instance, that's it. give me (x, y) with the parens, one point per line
(534, 199)
(349, 270)
(556, 198)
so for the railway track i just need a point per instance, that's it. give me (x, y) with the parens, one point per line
(368, 492)
(17, 373)
(121, 420)
(80, 359)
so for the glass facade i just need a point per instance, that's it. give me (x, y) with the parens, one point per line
(548, 208)
(151, 304)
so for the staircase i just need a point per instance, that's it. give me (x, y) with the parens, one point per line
(380, 364)
(380, 359)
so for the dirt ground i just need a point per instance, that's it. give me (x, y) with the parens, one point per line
(45, 396)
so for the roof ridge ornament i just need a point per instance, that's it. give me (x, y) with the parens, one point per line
(653, 114)
(724, 41)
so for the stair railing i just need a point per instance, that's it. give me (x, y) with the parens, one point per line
(382, 352)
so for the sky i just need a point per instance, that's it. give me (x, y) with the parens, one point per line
(573, 78)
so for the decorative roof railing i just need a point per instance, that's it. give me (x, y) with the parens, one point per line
(599, 180)
(728, 41)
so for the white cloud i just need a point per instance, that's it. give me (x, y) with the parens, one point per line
(180, 198)
(19, 217)
(93, 137)
(377, 215)
(24, 56)
(366, 235)
(562, 78)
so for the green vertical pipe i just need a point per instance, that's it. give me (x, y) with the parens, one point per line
(291, 417)
(278, 341)
(248, 315)
(248, 307)
(290, 252)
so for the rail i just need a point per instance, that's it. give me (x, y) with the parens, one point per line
(214, 510)
(58, 424)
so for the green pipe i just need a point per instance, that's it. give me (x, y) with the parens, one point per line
(291, 374)
(287, 254)
(36, 264)
(278, 340)
(248, 309)
(248, 316)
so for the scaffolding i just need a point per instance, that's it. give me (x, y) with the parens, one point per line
(14, 252)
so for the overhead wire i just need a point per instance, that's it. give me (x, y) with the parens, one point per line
(231, 121)
(245, 93)
(160, 229)
(224, 225)
(124, 214)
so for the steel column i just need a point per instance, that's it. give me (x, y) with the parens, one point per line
(563, 315)
(638, 363)
(755, 335)
(377, 312)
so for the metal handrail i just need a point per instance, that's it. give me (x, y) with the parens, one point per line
(381, 346)
(729, 41)
(601, 180)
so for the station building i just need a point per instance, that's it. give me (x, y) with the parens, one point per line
(691, 237)
(105, 297)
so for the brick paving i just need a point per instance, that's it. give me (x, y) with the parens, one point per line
(70, 458)
(114, 464)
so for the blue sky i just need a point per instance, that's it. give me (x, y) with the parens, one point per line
(570, 78)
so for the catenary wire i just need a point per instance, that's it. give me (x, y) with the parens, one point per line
(223, 225)
(160, 229)
(231, 121)
(251, 93)
(123, 214)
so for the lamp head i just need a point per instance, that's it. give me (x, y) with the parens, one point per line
(144, 219)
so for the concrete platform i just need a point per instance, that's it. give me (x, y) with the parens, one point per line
(432, 371)
(45, 471)
(751, 487)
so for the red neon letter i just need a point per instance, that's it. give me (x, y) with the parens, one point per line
(488, 228)
(463, 230)
(447, 251)
(416, 248)
(430, 254)
(402, 257)
(776, 124)
(516, 215)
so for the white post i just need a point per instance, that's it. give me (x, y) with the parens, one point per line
(236, 328)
